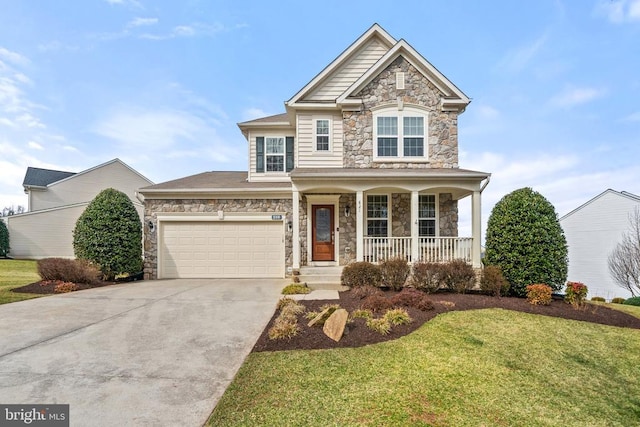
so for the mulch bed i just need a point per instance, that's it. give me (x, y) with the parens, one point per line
(49, 287)
(357, 334)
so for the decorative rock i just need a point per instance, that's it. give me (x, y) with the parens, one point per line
(335, 324)
(321, 317)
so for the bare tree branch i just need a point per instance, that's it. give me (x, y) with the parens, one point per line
(624, 260)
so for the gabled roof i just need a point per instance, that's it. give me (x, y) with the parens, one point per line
(42, 178)
(375, 32)
(624, 194)
(38, 177)
(454, 97)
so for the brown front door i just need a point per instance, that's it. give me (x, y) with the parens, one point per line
(322, 233)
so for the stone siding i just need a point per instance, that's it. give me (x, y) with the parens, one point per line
(347, 250)
(442, 138)
(448, 215)
(154, 207)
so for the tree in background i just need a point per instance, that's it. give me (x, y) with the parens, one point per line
(4, 239)
(109, 234)
(624, 260)
(525, 239)
(12, 210)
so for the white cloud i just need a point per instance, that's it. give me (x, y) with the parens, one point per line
(13, 57)
(141, 22)
(35, 146)
(195, 29)
(252, 113)
(133, 3)
(519, 58)
(573, 96)
(618, 11)
(633, 117)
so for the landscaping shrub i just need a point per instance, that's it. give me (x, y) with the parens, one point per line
(576, 293)
(493, 282)
(539, 294)
(296, 288)
(381, 325)
(410, 297)
(617, 300)
(361, 314)
(376, 303)
(361, 274)
(598, 299)
(363, 292)
(426, 276)
(64, 287)
(525, 239)
(4, 239)
(632, 301)
(109, 234)
(283, 302)
(283, 328)
(397, 316)
(457, 276)
(394, 273)
(67, 270)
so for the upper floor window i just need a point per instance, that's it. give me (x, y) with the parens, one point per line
(274, 154)
(322, 134)
(400, 134)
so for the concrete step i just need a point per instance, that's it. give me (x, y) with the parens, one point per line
(322, 277)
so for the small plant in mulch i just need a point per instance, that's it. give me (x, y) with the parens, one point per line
(286, 324)
(391, 318)
(363, 292)
(296, 289)
(380, 325)
(539, 294)
(576, 293)
(361, 314)
(64, 287)
(376, 303)
(410, 297)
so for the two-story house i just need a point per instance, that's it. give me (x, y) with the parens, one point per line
(363, 165)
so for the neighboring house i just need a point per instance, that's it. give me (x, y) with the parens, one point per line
(592, 231)
(56, 199)
(363, 165)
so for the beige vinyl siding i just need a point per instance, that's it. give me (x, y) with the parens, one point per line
(264, 176)
(308, 157)
(347, 74)
(46, 233)
(83, 187)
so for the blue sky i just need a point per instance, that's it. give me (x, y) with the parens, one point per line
(161, 84)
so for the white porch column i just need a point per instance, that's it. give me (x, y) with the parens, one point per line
(359, 226)
(295, 238)
(476, 225)
(415, 231)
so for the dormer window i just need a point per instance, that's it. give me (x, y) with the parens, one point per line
(275, 154)
(400, 134)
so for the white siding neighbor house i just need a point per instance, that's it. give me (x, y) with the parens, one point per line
(56, 199)
(592, 232)
(361, 165)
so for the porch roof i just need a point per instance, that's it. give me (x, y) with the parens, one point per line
(387, 173)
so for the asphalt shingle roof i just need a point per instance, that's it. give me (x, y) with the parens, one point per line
(37, 177)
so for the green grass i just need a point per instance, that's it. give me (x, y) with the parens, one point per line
(471, 368)
(629, 309)
(13, 274)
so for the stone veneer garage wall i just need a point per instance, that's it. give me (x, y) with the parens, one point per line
(155, 207)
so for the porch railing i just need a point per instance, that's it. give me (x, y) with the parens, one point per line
(430, 249)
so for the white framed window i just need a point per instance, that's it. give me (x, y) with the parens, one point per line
(400, 134)
(378, 214)
(427, 215)
(322, 135)
(274, 153)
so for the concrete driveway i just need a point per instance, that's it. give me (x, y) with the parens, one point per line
(152, 353)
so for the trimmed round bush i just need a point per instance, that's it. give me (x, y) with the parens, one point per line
(4, 239)
(394, 273)
(617, 300)
(361, 274)
(493, 282)
(598, 299)
(632, 301)
(525, 239)
(426, 276)
(109, 234)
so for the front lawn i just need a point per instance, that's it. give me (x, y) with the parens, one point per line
(16, 273)
(488, 367)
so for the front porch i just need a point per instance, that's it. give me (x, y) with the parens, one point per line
(346, 215)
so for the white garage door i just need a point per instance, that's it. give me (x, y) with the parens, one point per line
(222, 249)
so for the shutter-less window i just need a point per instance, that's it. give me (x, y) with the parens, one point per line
(289, 153)
(260, 154)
